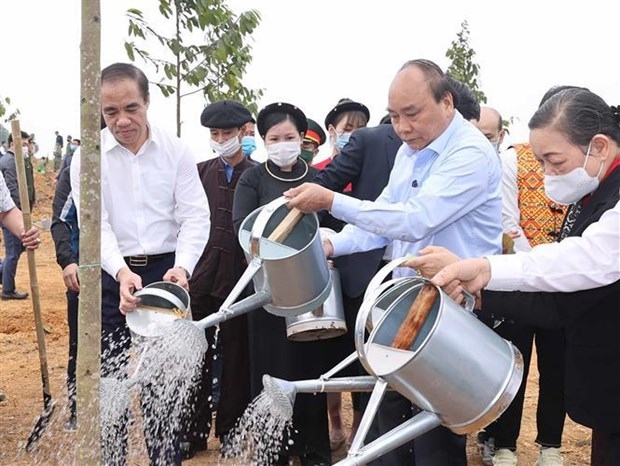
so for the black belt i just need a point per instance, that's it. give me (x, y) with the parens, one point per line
(144, 260)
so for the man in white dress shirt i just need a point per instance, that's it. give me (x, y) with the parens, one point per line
(155, 217)
(444, 189)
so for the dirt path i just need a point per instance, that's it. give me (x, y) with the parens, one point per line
(20, 376)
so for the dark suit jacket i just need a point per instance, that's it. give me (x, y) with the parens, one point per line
(591, 320)
(365, 162)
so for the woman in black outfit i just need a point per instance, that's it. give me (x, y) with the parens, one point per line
(282, 127)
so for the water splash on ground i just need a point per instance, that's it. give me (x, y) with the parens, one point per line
(165, 371)
(259, 435)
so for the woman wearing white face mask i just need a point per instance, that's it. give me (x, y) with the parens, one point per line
(576, 136)
(342, 121)
(282, 127)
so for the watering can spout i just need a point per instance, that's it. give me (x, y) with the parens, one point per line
(281, 392)
(244, 306)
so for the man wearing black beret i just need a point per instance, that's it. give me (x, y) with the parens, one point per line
(217, 271)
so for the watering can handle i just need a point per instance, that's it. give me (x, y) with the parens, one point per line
(281, 232)
(362, 318)
(170, 297)
(382, 274)
(470, 301)
(261, 222)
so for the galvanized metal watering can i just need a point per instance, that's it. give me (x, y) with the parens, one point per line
(161, 303)
(286, 262)
(456, 369)
(326, 321)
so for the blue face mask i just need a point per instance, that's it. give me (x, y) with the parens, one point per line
(248, 145)
(342, 140)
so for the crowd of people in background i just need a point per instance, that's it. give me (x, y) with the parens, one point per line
(430, 181)
(11, 245)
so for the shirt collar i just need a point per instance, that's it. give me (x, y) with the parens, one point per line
(109, 142)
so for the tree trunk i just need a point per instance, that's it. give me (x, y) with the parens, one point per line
(89, 315)
(179, 71)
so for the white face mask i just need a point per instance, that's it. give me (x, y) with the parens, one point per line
(227, 148)
(283, 154)
(25, 151)
(572, 186)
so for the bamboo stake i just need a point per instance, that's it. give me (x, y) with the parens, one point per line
(48, 402)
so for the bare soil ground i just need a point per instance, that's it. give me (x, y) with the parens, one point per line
(20, 376)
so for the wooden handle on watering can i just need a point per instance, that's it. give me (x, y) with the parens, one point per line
(285, 227)
(418, 312)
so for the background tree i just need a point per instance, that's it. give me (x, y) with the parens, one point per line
(5, 107)
(466, 70)
(89, 314)
(206, 51)
(463, 66)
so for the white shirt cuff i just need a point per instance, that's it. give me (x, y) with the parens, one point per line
(506, 272)
(186, 261)
(113, 265)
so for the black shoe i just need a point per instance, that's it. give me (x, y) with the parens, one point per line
(2, 396)
(14, 295)
(71, 424)
(186, 450)
(189, 449)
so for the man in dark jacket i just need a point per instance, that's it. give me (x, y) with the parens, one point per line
(12, 244)
(66, 235)
(217, 271)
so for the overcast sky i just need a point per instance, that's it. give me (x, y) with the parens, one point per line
(312, 54)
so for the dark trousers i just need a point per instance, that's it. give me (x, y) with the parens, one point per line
(550, 411)
(115, 346)
(342, 346)
(605, 449)
(72, 320)
(13, 248)
(197, 424)
(351, 308)
(438, 447)
(234, 377)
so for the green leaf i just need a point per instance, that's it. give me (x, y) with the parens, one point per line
(213, 64)
(129, 51)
